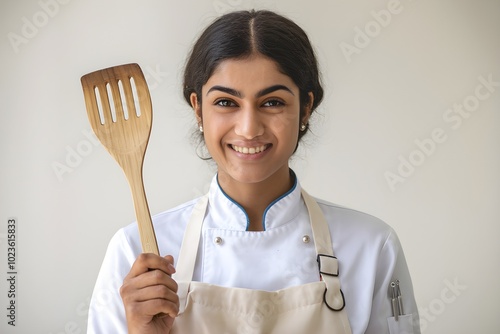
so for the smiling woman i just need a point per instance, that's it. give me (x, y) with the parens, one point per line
(250, 116)
(255, 255)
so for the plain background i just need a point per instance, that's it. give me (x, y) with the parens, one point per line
(394, 90)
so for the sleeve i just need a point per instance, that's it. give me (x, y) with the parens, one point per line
(106, 311)
(392, 266)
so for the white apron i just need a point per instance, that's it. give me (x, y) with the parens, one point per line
(316, 307)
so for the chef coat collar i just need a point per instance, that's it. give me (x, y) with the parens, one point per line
(228, 214)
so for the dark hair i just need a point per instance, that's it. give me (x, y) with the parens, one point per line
(243, 33)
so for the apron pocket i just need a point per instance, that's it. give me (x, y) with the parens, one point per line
(404, 325)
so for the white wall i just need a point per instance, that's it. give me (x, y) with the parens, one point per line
(391, 91)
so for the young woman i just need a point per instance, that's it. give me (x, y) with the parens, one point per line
(257, 254)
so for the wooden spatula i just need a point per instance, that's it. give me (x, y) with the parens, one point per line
(120, 112)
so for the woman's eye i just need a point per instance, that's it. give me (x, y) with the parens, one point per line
(273, 103)
(225, 103)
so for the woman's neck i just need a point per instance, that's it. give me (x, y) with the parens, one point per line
(256, 197)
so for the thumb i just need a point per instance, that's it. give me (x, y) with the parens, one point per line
(170, 260)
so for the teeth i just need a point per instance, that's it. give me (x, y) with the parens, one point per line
(249, 150)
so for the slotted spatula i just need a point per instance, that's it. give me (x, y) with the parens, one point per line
(120, 112)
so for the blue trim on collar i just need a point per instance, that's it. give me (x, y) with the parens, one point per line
(292, 174)
(234, 202)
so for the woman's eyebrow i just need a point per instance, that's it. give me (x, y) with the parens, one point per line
(227, 90)
(260, 93)
(274, 88)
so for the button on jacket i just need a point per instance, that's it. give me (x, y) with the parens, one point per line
(368, 251)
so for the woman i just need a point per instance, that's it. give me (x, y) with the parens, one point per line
(257, 254)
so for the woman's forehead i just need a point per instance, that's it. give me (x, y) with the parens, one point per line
(254, 71)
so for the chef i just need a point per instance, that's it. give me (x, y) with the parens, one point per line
(257, 254)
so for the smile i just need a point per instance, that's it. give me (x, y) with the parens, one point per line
(250, 150)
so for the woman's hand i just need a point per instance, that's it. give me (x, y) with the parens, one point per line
(150, 295)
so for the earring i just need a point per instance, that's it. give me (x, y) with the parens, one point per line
(201, 128)
(302, 126)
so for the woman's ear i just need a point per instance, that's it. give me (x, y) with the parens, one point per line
(195, 104)
(308, 109)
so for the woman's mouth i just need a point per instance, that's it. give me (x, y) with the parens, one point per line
(250, 150)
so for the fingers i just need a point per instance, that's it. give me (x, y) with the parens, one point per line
(152, 278)
(159, 291)
(147, 261)
(149, 289)
(152, 307)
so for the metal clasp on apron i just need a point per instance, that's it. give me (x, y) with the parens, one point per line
(329, 266)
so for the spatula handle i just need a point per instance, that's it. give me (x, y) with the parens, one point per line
(146, 231)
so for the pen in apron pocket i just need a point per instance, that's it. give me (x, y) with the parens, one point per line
(396, 300)
(400, 298)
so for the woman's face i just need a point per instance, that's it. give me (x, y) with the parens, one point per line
(250, 117)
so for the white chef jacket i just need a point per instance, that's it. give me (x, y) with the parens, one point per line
(283, 255)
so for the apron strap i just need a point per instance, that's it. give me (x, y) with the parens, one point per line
(185, 269)
(321, 232)
(327, 262)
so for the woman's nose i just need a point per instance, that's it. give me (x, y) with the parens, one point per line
(249, 123)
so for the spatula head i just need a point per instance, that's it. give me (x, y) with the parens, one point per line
(119, 107)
